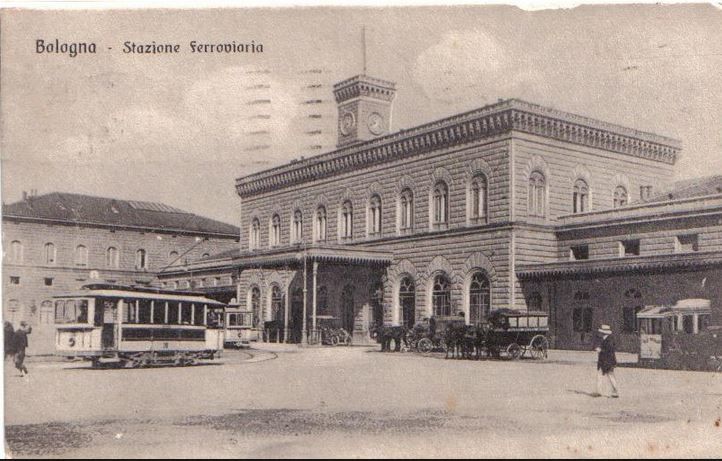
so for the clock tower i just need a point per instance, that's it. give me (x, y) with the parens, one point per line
(364, 108)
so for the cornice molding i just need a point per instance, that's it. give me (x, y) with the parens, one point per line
(501, 118)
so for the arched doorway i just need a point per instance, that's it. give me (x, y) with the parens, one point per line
(407, 302)
(278, 313)
(347, 309)
(479, 298)
(295, 323)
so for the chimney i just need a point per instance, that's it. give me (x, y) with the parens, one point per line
(25, 196)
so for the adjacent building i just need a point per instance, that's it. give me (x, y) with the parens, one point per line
(57, 242)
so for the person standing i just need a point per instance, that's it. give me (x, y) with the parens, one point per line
(21, 343)
(606, 361)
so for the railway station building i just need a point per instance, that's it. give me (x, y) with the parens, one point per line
(512, 205)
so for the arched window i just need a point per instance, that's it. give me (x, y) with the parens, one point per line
(479, 294)
(297, 226)
(441, 295)
(347, 220)
(407, 302)
(256, 305)
(173, 258)
(620, 196)
(49, 253)
(254, 241)
(440, 210)
(205, 255)
(16, 251)
(580, 197)
(537, 195)
(534, 302)
(406, 210)
(112, 257)
(277, 306)
(275, 237)
(375, 215)
(479, 193)
(322, 300)
(46, 316)
(141, 259)
(632, 305)
(321, 224)
(81, 255)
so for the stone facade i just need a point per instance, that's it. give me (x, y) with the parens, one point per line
(42, 259)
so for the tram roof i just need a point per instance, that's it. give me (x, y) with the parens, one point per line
(110, 293)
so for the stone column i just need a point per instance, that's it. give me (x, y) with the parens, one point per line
(314, 306)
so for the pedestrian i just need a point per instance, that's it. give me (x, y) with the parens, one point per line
(606, 361)
(8, 340)
(21, 343)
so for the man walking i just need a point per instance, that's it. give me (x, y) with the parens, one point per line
(21, 343)
(606, 361)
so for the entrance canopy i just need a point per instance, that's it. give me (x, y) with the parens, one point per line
(338, 254)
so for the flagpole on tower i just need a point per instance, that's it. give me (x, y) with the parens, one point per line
(363, 44)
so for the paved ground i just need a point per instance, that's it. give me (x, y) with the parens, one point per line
(356, 402)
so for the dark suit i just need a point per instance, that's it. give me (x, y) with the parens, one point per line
(607, 359)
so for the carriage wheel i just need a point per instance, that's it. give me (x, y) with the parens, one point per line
(425, 345)
(334, 340)
(539, 347)
(514, 351)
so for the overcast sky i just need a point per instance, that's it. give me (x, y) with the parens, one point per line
(174, 129)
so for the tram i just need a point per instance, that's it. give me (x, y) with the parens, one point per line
(680, 336)
(137, 326)
(239, 327)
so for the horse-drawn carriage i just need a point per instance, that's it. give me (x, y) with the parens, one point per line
(430, 334)
(518, 333)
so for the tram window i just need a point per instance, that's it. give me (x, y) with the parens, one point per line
(703, 322)
(198, 314)
(129, 311)
(186, 314)
(144, 311)
(71, 311)
(173, 313)
(159, 312)
(688, 324)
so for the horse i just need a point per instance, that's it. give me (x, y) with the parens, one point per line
(385, 333)
(454, 339)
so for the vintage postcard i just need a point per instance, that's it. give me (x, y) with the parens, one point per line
(367, 232)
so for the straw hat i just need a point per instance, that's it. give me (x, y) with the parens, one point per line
(605, 330)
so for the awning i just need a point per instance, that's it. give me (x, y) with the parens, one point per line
(607, 266)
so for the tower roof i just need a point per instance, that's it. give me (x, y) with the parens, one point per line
(363, 85)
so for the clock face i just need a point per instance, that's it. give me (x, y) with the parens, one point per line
(346, 123)
(376, 123)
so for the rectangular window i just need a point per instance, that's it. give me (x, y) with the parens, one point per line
(629, 319)
(583, 319)
(629, 248)
(48, 281)
(579, 252)
(687, 243)
(14, 280)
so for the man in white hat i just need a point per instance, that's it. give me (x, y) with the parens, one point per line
(606, 361)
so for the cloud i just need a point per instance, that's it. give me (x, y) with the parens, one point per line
(466, 63)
